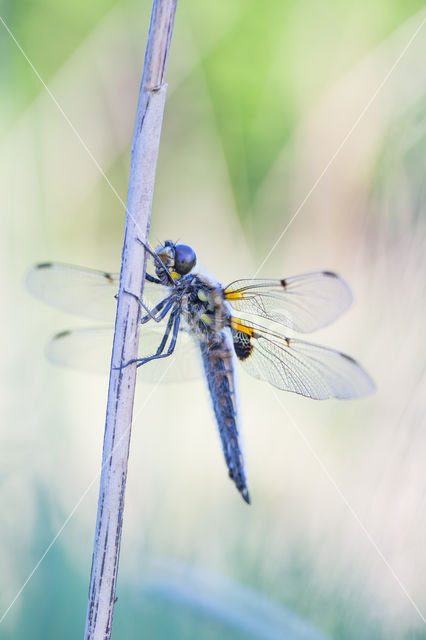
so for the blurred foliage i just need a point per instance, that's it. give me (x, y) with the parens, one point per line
(262, 74)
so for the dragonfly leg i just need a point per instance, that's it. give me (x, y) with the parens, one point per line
(162, 307)
(141, 361)
(151, 278)
(157, 260)
(142, 304)
(173, 323)
(151, 313)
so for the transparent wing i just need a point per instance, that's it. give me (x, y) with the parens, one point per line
(82, 291)
(298, 366)
(304, 303)
(89, 349)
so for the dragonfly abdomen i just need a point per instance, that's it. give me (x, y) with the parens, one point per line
(218, 366)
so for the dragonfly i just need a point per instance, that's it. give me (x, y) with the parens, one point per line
(186, 312)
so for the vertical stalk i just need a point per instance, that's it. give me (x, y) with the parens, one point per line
(146, 140)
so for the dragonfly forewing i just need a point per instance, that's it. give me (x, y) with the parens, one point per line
(84, 292)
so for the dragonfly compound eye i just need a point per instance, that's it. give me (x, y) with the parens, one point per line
(185, 259)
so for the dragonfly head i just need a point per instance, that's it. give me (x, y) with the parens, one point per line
(178, 258)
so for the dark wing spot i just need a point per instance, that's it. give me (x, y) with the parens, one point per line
(287, 340)
(331, 274)
(108, 277)
(284, 283)
(242, 345)
(44, 265)
(62, 334)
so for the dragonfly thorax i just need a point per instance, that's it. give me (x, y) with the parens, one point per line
(203, 306)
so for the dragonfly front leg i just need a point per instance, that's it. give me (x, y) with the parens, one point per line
(151, 278)
(158, 260)
(151, 313)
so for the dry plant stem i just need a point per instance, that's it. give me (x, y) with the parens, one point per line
(146, 140)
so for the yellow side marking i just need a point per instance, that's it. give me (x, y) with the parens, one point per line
(239, 326)
(234, 295)
(201, 295)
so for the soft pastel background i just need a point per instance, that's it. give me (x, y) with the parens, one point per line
(261, 96)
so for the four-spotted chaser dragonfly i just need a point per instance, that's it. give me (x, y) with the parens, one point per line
(237, 322)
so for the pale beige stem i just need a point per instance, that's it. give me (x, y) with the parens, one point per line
(146, 140)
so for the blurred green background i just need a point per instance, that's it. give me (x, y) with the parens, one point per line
(261, 97)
